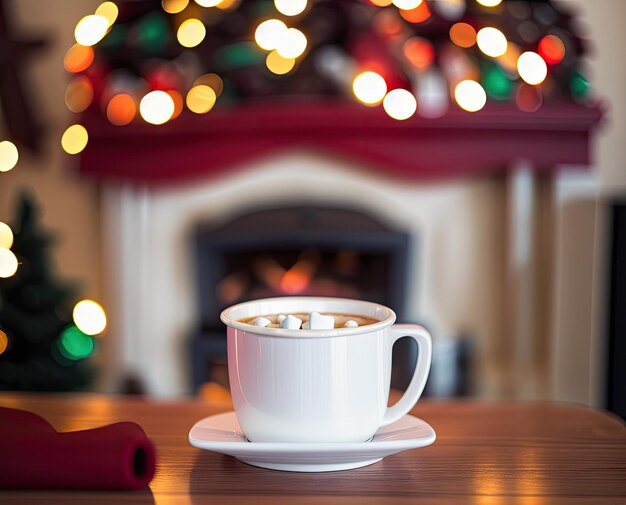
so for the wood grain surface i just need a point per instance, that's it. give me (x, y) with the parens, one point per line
(485, 454)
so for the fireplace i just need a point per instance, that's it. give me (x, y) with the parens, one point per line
(296, 249)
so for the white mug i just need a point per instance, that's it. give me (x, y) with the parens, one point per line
(318, 385)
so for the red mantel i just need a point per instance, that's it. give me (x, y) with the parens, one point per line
(458, 144)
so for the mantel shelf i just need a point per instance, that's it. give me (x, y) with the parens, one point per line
(459, 144)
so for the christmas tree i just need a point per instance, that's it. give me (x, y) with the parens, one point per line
(43, 350)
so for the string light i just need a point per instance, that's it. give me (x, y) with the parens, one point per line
(8, 263)
(489, 3)
(279, 65)
(551, 49)
(270, 33)
(157, 107)
(531, 67)
(470, 95)
(78, 58)
(419, 52)
(91, 29)
(201, 99)
(4, 341)
(369, 87)
(74, 139)
(89, 317)
(400, 104)
(406, 5)
(6, 236)
(292, 44)
(177, 98)
(174, 6)
(290, 7)
(74, 344)
(528, 98)
(8, 155)
(191, 32)
(491, 41)
(463, 35)
(121, 109)
(109, 11)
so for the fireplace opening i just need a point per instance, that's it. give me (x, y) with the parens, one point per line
(296, 249)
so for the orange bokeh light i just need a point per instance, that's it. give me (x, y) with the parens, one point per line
(78, 58)
(419, 52)
(121, 109)
(463, 35)
(381, 3)
(551, 49)
(178, 102)
(418, 15)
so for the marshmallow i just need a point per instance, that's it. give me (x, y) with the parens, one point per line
(351, 323)
(261, 321)
(280, 318)
(291, 323)
(319, 322)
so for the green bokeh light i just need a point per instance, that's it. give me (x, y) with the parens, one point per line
(496, 83)
(579, 85)
(74, 344)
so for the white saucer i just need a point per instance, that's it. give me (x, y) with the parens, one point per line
(221, 433)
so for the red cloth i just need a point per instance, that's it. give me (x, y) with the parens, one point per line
(33, 455)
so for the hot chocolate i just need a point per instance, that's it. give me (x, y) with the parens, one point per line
(309, 321)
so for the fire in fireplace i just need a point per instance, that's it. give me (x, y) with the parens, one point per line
(295, 250)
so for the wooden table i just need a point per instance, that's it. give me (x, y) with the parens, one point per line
(485, 454)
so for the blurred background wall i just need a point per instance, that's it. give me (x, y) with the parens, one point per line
(72, 205)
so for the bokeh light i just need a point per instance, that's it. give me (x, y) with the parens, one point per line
(496, 83)
(508, 61)
(531, 67)
(191, 32)
(579, 86)
(208, 3)
(177, 98)
(369, 88)
(400, 104)
(269, 34)
(79, 94)
(8, 155)
(290, 7)
(406, 5)
(201, 99)
(78, 58)
(74, 344)
(450, 9)
(551, 49)
(211, 80)
(89, 317)
(470, 95)
(292, 44)
(6, 236)
(121, 109)
(489, 3)
(4, 341)
(174, 6)
(463, 35)
(381, 3)
(109, 11)
(419, 52)
(491, 41)
(74, 139)
(157, 107)
(279, 65)
(91, 29)
(8, 263)
(417, 15)
(528, 98)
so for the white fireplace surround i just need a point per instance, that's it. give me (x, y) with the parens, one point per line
(458, 282)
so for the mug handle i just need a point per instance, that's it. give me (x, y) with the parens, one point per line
(422, 367)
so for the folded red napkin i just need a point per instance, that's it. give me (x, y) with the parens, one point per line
(33, 455)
